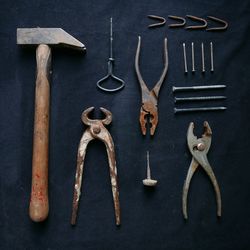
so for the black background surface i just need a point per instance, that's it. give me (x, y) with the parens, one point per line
(151, 219)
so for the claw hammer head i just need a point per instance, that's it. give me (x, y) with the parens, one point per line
(49, 36)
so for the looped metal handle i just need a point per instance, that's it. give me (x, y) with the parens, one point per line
(111, 75)
(110, 67)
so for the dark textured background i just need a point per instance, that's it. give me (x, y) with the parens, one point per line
(150, 219)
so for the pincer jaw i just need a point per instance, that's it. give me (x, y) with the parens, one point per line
(87, 121)
(85, 118)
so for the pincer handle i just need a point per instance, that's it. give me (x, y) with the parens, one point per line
(39, 203)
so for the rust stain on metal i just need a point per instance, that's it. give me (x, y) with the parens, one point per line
(182, 21)
(198, 19)
(220, 21)
(161, 20)
(96, 130)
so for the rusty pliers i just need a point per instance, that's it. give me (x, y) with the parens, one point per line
(150, 98)
(96, 130)
(199, 149)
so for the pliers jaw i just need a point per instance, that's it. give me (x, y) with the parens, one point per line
(87, 121)
(201, 144)
(148, 113)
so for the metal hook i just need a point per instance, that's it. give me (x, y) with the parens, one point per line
(110, 67)
(195, 18)
(178, 18)
(162, 19)
(216, 19)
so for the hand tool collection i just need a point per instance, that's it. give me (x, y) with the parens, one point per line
(43, 38)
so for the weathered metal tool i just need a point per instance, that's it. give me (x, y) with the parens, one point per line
(198, 19)
(220, 21)
(110, 73)
(182, 110)
(199, 98)
(43, 38)
(185, 58)
(206, 87)
(96, 130)
(199, 149)
(159, 18)
(212, 56)
(150, 98)
(193, 64)
(177, 25)
(148, 181)
(202, 58)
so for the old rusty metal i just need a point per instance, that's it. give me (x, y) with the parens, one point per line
(39, 203)
(220, 21)
(150, 98)
(182, 21)
(198, 19)
(157, 18)
(199, 148)
(96, 130)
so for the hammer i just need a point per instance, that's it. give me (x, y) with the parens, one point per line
(43, 38)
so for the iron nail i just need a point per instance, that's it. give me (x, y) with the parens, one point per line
(192, 46)
(202, 58)
(185, 58)
(212, 56)
(174, 89)
(176, 110)
(199, 98)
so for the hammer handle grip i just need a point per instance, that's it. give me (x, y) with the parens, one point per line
(39, 203)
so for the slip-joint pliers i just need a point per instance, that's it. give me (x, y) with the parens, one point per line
(199, 149)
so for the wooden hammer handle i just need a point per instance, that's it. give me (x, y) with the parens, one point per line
(39, 203)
